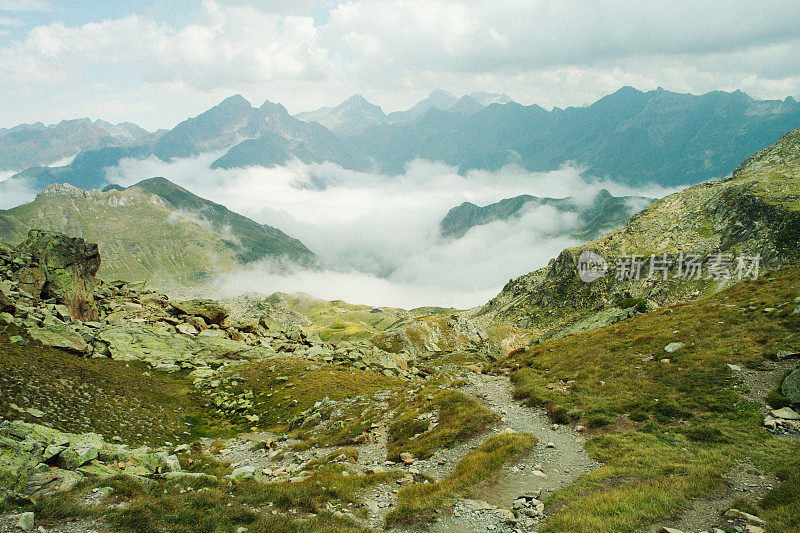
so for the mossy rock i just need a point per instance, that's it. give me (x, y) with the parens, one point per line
(791, 387)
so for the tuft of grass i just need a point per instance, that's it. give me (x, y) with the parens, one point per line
(417, 504)
(781, 504)
(459, 417)
(777, 400)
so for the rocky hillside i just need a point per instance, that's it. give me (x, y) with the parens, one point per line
(605, 212)
(756, 211)
(179, 238)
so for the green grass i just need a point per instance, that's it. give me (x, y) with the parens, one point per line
(666, 432)
(459, 417)
(418, 503)
(112, 398)
(278, 401)
(188, 506)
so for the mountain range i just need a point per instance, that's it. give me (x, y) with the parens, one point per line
(655, 137)
(29, 145)
(603, 213)
(153, 231)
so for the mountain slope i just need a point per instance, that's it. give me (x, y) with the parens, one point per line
(604, 213)
(154, 231)
(756, 211)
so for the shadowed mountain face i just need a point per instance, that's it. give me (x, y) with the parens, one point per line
(604, 213)
(154, 231)
(635, 137)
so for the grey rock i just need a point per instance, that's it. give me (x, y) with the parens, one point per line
(73, 457)
(786, 413)
(791, 386)
(25, 521)
(60, 337)
(673, 347)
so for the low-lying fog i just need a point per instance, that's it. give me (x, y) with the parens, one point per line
(377, 237)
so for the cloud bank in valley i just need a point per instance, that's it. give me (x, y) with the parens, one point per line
(377, 237)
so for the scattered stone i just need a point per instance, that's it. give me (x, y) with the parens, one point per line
(72, 458)
(734, 368)
(737, 514)
(241, 473)
(408, 458)
(25, 521)
(213, 312)
(786, 413)
(60, 337)
(673, 347)
(187, 329)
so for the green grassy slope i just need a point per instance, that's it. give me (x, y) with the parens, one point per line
(154, 231)
(670, 431)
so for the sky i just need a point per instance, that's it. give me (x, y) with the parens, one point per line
(155, 62)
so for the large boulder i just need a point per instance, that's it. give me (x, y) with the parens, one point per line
(61, 267)
(211, 311)
(60, 337)
(791, 386)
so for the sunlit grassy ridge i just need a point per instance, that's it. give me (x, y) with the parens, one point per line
(153, 231)
(673, 429)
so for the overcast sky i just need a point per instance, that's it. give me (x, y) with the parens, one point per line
(155, 62)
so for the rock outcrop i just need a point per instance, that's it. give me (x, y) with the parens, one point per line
(48, 286)
(38, 461)
(54, 266)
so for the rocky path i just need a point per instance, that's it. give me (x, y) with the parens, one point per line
(557, 460)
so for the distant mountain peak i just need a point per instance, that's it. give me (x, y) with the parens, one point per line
(357, 99)
(274, 108)
(466, 105)
(235, 101)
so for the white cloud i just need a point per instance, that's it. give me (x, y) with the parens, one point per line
(378, 236)
(396, 51)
